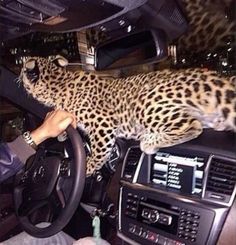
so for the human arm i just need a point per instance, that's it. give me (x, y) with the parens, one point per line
(14, 154)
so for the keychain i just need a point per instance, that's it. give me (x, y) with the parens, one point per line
(96, 228)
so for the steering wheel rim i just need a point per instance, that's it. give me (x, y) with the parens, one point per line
(79, 168)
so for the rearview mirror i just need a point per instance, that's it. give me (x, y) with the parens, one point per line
(146, 46)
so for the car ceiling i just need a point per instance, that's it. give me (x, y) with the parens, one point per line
(19, 17)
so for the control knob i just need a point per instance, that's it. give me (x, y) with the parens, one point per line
(153, 216)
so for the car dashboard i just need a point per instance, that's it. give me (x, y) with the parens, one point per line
(180, 195)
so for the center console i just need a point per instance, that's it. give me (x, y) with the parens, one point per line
(180, 195)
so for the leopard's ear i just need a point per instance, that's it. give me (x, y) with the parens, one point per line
(60, 60)
(30, 63)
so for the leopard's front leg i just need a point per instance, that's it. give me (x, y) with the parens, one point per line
(102, 141)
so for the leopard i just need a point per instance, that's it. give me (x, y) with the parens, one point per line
(158, 109)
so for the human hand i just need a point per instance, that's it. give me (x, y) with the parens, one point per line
(54, 124)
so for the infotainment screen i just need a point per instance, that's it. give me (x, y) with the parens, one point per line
(176, 172)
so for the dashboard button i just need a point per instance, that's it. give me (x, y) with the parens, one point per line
(130, 214)
(182, 220)
(193, 236)
(138, 231)
(151, 236)
(193, 232)
(145, 213)
(143, 234)
(161, 240)
(165, 219)
(196, 216)
(179, 243)
(195, 223)
(154, 216)
(132, 228)
(189, 219)
(170, 242)
(129, 201)
(181, 228)
(134, 209)
(194, 228)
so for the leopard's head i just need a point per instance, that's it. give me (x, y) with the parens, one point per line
(44, 77)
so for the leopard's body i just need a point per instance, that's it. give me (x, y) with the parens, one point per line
(160, 109)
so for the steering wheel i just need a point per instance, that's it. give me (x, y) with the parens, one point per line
(46, 183)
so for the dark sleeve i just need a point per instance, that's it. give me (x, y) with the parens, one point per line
(21, 149)
(13, 156)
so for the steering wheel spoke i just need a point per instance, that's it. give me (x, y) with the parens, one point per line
(57, 202)
(28, 208)
(65, 167)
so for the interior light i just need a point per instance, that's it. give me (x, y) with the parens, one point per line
(102, 28)
(129, 28)
(121, 22)
(224, 63)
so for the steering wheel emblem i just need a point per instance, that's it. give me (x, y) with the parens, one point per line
(39, 173)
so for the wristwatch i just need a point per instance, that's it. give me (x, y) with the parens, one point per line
(28, 139)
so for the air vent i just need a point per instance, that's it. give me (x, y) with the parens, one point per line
(131, 162)
(221, 179)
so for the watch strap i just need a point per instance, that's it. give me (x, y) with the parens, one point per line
(28, 139)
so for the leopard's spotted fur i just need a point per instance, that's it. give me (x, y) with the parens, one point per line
(160, 108)
(209, 26)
